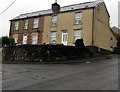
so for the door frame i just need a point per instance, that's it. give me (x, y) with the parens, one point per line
(25, 35)
(64, 32)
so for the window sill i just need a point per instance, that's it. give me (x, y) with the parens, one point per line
(78, 24)
(53, 26)
(15, 30)
(35, 28)
(26, 29)
(53, 43)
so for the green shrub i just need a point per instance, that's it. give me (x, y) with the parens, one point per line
(11, 41)
(79, 43)
(6, 41)
(118, 42)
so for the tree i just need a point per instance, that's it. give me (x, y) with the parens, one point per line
(5, 40)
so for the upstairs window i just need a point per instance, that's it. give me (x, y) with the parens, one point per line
(16, 25)
(26, 24)
(53, 37)
(78, 18)
(77, 34)
(54, 20)
(36, 23)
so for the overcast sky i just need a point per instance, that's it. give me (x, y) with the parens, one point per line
(26, 6)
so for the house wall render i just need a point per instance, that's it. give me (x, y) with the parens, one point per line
(94, 27)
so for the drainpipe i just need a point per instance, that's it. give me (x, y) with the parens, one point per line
(93, 32)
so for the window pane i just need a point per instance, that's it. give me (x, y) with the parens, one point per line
(78, 21)
(54, 20)
(54, 24)
(15, 37)
(53, 37)
(36, 20)
(78, 18)
(16, 25)
(78, 15)
(77, 34)
(65, 37)
(36, 23)
(26, 24)
(34, 38)
(53, 34)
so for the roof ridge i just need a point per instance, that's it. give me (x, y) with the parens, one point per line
(62, 7)
(35, 11)
(78, 4)
(83, 5)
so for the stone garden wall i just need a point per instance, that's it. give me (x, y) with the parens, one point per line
(41, 53)
(45, 53)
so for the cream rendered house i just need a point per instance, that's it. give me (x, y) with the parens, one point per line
(89, 21)
(64, 25)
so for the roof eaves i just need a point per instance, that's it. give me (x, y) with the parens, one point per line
(17, 18)
(101, 1)
(107, 10)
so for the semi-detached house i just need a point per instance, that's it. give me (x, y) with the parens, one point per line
(64, 25)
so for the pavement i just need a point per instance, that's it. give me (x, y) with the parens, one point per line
(102, 74)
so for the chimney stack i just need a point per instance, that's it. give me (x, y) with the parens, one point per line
(55, 7)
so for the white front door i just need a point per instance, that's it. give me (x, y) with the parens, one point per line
(25, 39)
(64, 37)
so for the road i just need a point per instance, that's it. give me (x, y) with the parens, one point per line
(97, 75)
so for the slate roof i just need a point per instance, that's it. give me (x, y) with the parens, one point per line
(85, 5)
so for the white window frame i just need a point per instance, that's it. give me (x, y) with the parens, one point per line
(53, 37)
(35, 40)
(54, 20)
(36, 23)
(77, 34)
(16, 26)
(26, 24)
(15, 37)
(78, 18)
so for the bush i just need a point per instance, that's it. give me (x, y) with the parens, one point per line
(6, 41)
(118, 42)
(11, 40)
(79, 43)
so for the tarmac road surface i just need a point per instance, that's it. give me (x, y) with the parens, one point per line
(97, 75)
